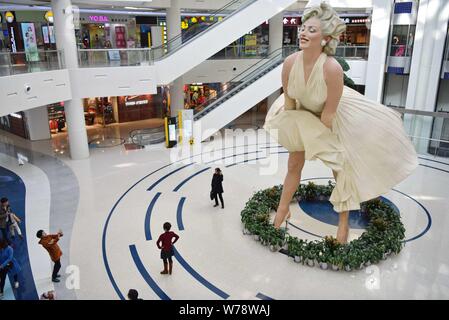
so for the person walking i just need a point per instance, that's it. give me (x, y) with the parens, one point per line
(7, 265)
(4, 211)
(165, 243)
(50, 243)
(217, 187)
(13, 223)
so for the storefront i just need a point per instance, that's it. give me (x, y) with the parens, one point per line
(357, 32)
(196, 94)
(290, 31)
(105, 31)
(28, 31)
(15, 123)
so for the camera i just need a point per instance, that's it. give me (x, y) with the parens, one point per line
(27, 88)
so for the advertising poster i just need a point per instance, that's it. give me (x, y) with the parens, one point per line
(250, 44)
(45, 35)
(52, 34)
(29, 41)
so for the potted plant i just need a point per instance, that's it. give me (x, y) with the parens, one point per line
(310, 191)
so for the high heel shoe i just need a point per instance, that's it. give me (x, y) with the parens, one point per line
(286, 220)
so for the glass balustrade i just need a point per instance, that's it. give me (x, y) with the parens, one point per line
(98, 58)
(428, 131)
(12, 63)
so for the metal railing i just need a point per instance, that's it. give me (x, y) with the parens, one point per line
(429, 131)
(352, 52)
(241, 81)
(143, 137)
(213, 19)
(242, 52)
(94, 58)
(12, 63)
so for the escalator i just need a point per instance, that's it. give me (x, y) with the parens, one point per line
(240, 94)
(227, 24)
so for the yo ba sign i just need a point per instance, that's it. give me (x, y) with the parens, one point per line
(99, 18)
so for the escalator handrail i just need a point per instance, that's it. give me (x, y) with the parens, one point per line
(252, 75)
(177, 37)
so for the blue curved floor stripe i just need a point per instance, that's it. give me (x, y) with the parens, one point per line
(167, 175)
(108, 219)
(445, 163)
(233, 156)
(145, 275)
(12, 187)
(429, 217)
(186, 180)
(424, 165)
(179, 213)
(244, 161)
(198, 277)
(148, 216)
(263, 297)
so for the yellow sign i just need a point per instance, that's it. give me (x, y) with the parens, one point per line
(49, 16)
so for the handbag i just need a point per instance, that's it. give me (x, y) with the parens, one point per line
(212, 195)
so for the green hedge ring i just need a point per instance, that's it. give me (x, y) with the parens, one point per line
(384, 235)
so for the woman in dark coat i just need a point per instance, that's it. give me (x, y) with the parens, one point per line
(217, 187)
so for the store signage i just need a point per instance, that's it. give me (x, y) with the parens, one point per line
(13, 40)
(49, 16)
(135, 103)
(356, 20)
(291, 21)
(99, 18)
(16, 115)
(9, 16)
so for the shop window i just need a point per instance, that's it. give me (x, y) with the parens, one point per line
(402, 41)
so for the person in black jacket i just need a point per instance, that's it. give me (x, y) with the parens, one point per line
(217, 187)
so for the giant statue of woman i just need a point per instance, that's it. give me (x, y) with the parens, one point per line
(317, 117)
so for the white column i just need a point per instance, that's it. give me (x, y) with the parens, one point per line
(378, 45)
(37, 123)
(174, 22)
(425, 67)
(64, 13)
(272, 98)
(177, 96)
(276, 28)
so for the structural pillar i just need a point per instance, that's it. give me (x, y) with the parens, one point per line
(37, 123)
(64, 14)
(425, 68)
(378, 46)
(177, 96)
(276, 31)
(174, 24)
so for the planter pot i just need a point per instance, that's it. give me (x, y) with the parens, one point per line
(385, 256)
(297, 259)
(246, 231)
(264, 243)
(256, 237)
(285, 247)
(274, 248)
(367, 264)
(310, 262)
(361, 266)
(335, 267)
(348, 268)
(323, 265)
(388, 252)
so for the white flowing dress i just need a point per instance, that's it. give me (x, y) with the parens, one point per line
(367, 146)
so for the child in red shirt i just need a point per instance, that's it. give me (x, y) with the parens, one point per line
(166, 245)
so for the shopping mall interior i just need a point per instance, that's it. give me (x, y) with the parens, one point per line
(115, 114)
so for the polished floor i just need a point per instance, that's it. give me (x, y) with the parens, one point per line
(112, 207)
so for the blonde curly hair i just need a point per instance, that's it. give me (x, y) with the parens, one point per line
(331, 25)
